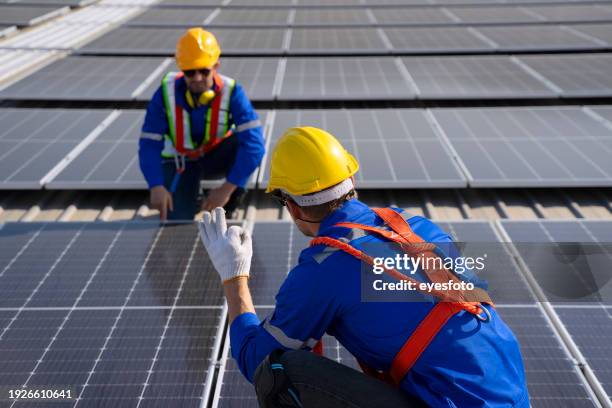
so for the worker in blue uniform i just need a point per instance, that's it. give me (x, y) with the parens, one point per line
(447, 350)
(199, 124)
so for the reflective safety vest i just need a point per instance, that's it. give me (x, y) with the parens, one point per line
(217, 127)
(449, 302)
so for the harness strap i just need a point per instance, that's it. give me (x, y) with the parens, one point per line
(451, 302)
(420, 339)
(206, 146)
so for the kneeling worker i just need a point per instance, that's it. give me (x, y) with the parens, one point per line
(446, 350)
(199, 124)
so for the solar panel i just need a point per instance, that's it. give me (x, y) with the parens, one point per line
(553, 378)
(277, 246)
(480, 15)
(344, 78)
(395, 148)
(135, 41)
(537, 38)
(34, 141)
(591, 329)
(171, 17)
(334, 17)
(121, 313)
(575, 75)
(27, 16)
(162, 41)
(251, 17)
(111, 161)
(434, 40)
(336, 41)
(574, 13)
(602, 32)
(87, 78)
(410, 16)
(505, 282)
(473, 77)
(512, 147)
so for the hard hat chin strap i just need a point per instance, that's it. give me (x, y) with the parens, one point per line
(324, 196)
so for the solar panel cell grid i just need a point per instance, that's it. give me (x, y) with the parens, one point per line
(473, 77)
(537, 38)
(336, 40)
(172, 17)
(344, 78)
(491, 143)
(36, 140)
(591, 330)
(575, 75)
(434, 40)
(251, 17)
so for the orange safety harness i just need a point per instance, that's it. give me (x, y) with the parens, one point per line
(449, 302)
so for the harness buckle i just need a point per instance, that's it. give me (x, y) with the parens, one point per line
(487, 315)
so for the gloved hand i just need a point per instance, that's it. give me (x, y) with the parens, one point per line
(230, 250)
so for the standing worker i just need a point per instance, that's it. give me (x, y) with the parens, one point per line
(199, 124)
(444, 350)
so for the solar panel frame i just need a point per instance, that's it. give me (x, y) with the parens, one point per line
(406, 142)
(35, 141)
(85, 78)
(540, 139)
(467, 77)
(578, 75)
(329, 78)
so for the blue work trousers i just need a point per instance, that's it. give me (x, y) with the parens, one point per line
(213, 165)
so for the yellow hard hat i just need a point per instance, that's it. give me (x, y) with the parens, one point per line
(197, 49)
(306, 160)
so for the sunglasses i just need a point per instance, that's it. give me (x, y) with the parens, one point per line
(191, 72)
(280, 198)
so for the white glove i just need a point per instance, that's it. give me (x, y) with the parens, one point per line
(230, 250)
